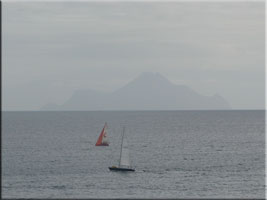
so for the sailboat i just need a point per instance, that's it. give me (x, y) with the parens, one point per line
(102, 139)
(124, 162)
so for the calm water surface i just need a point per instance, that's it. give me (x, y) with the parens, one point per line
(182, 154)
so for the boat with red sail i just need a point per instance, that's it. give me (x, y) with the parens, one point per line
(102, 139)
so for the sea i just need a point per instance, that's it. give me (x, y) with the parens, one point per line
(176, 154)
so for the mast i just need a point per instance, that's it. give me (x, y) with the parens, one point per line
(121, 144)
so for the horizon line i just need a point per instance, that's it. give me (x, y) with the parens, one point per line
(132, 110)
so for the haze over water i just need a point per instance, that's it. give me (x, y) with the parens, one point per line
(180, 154)
(53, 49)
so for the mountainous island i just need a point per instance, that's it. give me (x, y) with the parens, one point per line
(149, 91)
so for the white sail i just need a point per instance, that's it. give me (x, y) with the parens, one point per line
(124, 162)
(125, 157)
(105, 140)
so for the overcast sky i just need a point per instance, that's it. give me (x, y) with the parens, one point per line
(51, 49)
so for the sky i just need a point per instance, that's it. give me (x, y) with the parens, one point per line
(51, 49)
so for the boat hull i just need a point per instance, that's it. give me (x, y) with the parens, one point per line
(119, 169)
(103, 144)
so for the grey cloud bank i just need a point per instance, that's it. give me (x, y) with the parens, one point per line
(52, 49)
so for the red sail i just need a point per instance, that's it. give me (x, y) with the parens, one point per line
(100, 141)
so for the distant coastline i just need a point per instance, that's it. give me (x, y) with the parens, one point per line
(149, 91)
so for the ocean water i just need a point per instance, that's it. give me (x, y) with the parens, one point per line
(177, 154)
